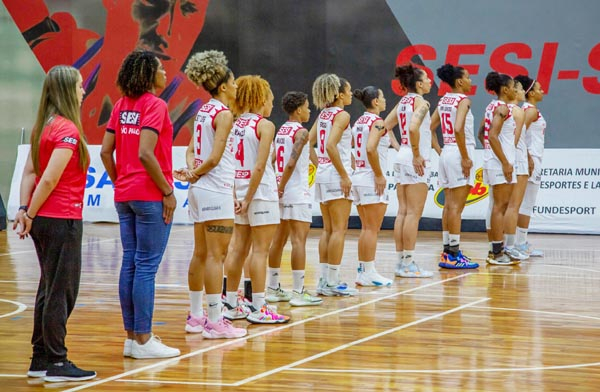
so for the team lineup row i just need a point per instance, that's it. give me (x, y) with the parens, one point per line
(249, 190)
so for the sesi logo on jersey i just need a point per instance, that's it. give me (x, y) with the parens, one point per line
(326, 115)
(479, 191)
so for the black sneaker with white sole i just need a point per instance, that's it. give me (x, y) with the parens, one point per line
(38, 367)
(67, 371)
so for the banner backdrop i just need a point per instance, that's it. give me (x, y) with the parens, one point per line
(568, 201)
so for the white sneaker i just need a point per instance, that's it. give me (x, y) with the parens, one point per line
(277, 295)
(515, 253)
(127, 347)
(501, 259)
(153, 348)
(528, 249)
(304, 299)
(412, 270)
(372, 279)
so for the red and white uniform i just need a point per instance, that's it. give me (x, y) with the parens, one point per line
(220, 178)
(363, 173)
(506, 137)
(521, 162)
(450, 168)
(405, 111)
(246, 141)
(297, 188)
(326, 173)
(129, 116)
(534, 136)
(66, 199)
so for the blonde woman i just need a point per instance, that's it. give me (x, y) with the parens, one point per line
(256, 198)
(51, 201)
(332, 134)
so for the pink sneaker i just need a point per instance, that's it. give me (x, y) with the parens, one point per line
(267, 315)
(222, 329)
(195, 324)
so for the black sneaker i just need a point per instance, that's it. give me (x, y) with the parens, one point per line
(67, 371)
(38, 367)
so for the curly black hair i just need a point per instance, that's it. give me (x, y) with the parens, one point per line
(292, 100)
(137, 73)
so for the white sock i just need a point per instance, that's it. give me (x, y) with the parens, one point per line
(400, 256)
(273, 277)
(231, 298)
(333, 274)
(366, 266)
(509, 240)
(445, 238)
(324, 267)
(408, 256)
(521, 235)
(258, 300)
(298, 277)
(214, 307)
(196, 303)
(453, 239)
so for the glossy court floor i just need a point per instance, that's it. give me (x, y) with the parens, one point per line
(533, 327)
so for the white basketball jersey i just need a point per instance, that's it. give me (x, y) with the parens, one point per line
(405, 111)
(246, 141)
(534, 137)
(220, 178)
(506, 137)
(360, 133)
(447, 109)
(521, 148)
(297, 188)
(326, 173)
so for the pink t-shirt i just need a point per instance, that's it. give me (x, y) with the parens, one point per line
(128, 118)
(66, 199)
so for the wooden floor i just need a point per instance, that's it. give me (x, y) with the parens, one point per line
(535, 327)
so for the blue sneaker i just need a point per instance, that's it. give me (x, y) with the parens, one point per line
(459, 262)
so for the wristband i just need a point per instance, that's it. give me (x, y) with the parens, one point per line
(23, 207)
(169, 194)
(27, 216)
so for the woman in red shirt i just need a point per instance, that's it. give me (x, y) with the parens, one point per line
(141, 132)
(52, 190)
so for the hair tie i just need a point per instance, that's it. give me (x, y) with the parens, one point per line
(530, 87)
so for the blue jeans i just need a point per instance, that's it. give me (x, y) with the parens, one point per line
(144, 237)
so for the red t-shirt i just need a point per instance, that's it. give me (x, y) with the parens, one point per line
(66, 199)
(129, 116)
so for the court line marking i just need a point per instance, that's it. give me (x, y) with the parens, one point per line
(569, 267)
(335, 349)
(488, 370)
(20, 307)
(13, 376)
(266, 332)
(438, 371)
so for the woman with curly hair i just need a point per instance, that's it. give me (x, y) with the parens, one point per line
(412, 165)
(51, 198)
(211, 173)
(141, 132)
(256, 198)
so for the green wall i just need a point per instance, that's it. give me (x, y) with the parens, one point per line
(21, 78)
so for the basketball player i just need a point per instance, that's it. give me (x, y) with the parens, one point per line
(535, 128)
(497, 134)
(371, 143)
(456, 171)
(411, 166)
(210, 171)
(331, 132)
(522, 168)
(257, 207)
(291, 168)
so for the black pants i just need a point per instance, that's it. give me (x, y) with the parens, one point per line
(58, 246)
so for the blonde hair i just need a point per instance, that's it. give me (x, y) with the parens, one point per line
(208, 69)
(59, 97)
(326, 89)
(252, 93)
